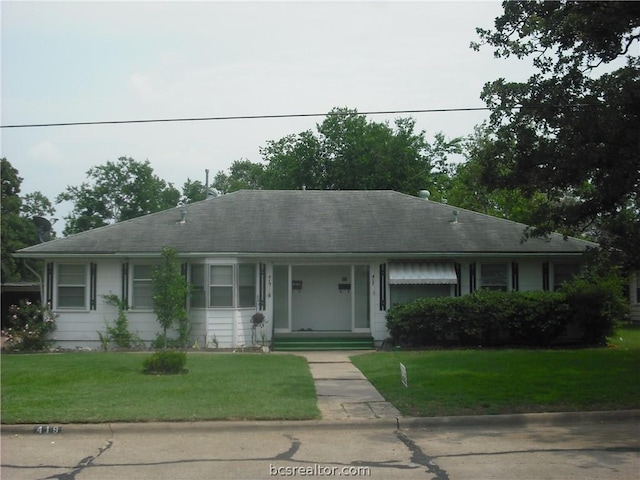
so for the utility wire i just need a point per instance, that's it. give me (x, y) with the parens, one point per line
(242, 117)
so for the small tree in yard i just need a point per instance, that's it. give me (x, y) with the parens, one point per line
(169, 294)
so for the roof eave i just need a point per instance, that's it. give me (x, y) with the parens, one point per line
(416, 254)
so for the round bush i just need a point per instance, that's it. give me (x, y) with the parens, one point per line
(167, 362)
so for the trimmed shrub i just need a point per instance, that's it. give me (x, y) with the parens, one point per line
(536, 318)
(166, 362)
(533, 319)
(596, 303)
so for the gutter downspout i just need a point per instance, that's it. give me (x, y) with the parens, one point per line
(40, 282)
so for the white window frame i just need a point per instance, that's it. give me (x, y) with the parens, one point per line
(136, 282)
(235, 286)
(211, 285)
(84, 286)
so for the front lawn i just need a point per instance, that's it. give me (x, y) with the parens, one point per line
(472, 382)
(109, 387)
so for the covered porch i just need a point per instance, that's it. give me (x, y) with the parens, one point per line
(321, 300)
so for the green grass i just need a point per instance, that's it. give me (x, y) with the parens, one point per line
(626, 338)
(110, 387)
(473, 382)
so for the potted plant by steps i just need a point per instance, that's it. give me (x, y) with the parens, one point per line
(258, 321)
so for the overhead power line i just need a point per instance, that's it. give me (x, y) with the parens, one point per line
(241, 117)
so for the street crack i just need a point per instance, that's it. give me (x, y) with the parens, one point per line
(420, 458)
(82, 464)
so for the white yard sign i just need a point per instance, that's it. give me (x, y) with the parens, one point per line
(403, 375)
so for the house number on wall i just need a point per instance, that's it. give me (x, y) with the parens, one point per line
(42, 429)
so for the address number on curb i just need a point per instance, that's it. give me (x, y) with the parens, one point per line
(42, 429)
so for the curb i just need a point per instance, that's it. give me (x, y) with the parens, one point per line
(520, 419)
(406, 423)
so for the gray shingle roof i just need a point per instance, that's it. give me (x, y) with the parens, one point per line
(307, 222)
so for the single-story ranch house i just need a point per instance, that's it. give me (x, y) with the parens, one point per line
(316, 263)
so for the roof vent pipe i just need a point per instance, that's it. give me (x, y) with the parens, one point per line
(424, 194)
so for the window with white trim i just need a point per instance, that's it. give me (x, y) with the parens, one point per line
(232, 286)
(142, 291)
(221, 285)
(72, 286)
(493, 276)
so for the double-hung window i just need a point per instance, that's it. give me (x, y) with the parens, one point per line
(142, 290)
(232, 286)
(72, 286)
(221, 285)
(493, 276)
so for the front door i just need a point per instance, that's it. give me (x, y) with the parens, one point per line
(321, 298)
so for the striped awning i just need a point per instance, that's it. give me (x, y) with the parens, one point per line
(422, 273)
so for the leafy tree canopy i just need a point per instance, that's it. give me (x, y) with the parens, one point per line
(193, 191)
(117, 191)
(243, 174)
(572, 131)
(348, 152)
(17, 229)
(462, 186)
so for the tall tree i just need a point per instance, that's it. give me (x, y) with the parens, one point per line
(572, 131)
(36, 205)
(294, 162)
(117, 191)
(193, 191)
(462, 186)
(17, 230)
(243, 174)
(348, 152)
(365, 155)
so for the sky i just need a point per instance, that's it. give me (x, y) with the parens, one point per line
(87, 61)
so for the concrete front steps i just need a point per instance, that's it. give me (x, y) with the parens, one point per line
(308, 341)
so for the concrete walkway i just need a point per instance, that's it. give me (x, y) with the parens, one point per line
(343, 392)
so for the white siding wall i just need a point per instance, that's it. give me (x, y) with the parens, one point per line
(220, 325)
(198, 319)
(79, 328)
(232, 327)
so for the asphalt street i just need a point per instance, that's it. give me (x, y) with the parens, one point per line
(578, 446)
